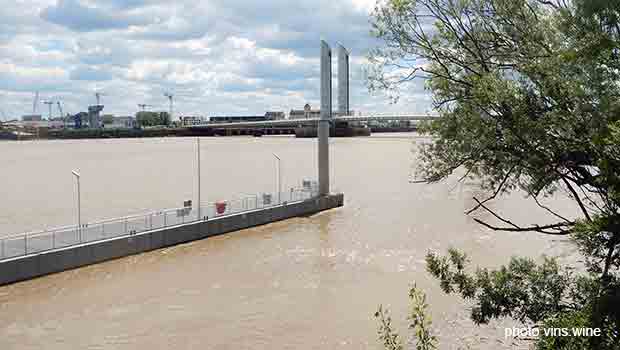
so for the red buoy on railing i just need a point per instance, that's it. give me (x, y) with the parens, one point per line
(220, 207)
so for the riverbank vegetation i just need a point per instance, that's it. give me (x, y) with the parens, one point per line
(528, 95)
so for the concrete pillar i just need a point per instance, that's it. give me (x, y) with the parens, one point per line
(343, 81)
(326, 113)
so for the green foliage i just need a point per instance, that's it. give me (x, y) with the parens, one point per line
(421, 320)
(107, 119)
(420, 323)
(389, 338)
(522, 290)
(528, 99)
(543, 295)
(146, 118)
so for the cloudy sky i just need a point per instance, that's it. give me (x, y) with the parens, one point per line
(216, 56)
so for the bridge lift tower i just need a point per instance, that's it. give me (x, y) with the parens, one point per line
(326, 116)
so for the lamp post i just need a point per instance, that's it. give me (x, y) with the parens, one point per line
(198, 159)
(278, 177)
(79, 204)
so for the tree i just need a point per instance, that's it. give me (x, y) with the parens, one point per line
(164, 118)
(419, 320)
(146, 118)
(528, 99)
(107, 119)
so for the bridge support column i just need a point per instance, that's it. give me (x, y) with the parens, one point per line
(324, 121)
(343, 81)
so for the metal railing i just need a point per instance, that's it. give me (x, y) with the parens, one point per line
(60, 237)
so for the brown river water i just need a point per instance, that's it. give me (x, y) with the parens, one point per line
(304, 283)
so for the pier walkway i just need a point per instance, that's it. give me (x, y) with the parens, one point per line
(60, 237)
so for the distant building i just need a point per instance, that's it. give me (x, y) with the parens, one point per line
(306, 113)
(191, 120)
(32, 118)
(274, 115)
(94, 118)
(350, 113)
(79, 120)
(124, 122)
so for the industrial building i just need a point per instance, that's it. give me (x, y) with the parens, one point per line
(32, 118)
(275, 115)
(305, 113)
(191, 120)
(124, 122)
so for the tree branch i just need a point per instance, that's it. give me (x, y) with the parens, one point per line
(517, 228)
(535, 228)
(497, 191)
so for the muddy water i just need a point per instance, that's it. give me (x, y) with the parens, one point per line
(305, 283)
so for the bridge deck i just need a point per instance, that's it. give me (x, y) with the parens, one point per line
(313, 121)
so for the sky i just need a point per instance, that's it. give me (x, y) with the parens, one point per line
(217, 57)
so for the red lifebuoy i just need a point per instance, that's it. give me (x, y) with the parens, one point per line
(220, 207)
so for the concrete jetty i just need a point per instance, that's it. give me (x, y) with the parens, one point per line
(39, 264)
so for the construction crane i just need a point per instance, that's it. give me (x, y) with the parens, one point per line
(62, 116)
(49, 105)
(170, 97)
(143, 106)
(59, 108)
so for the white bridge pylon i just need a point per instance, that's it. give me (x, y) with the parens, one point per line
(325, 119)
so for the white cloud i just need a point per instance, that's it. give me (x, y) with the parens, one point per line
(218, 56)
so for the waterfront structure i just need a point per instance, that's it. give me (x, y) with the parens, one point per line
(23, 258)
(124, 122)
(191, 120)
(306, 113)
(94, 117)
(32, 118)
(274, 115)
(343, 81)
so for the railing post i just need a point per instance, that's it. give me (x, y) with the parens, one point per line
(125, 225)
(54, 240)
(3, 249)
(103, 229)
(165, 219)
(26, 244)
(151, 221)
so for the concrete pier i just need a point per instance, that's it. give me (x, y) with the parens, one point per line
(52, 261)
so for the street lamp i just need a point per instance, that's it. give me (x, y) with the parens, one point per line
(198, 158)
(279, 177)
(79, 204)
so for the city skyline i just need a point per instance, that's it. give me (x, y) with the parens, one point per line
(215, 57)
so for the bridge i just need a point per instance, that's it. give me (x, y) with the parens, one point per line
(307, 127)
(314, 121)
